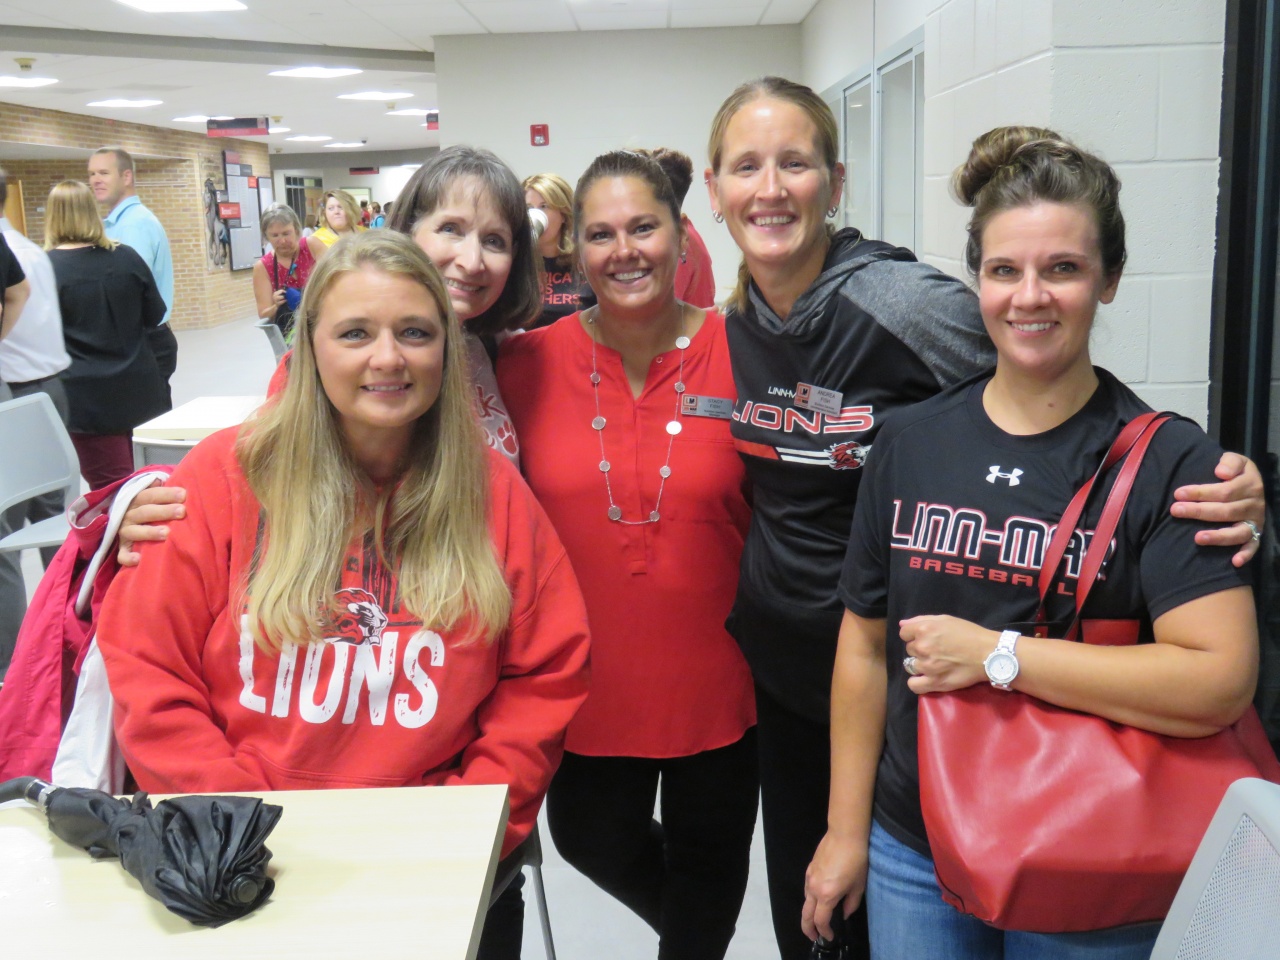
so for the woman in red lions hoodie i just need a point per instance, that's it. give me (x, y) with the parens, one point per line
(362, 594)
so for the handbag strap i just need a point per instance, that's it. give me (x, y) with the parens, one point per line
(1130, 446)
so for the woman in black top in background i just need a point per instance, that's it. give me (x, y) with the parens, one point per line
(109, 301)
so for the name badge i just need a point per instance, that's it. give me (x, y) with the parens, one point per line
(720, 408)
(809, 397)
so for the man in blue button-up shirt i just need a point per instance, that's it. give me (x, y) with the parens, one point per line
(111, 177)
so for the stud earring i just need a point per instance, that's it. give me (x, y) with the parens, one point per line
(718, 217)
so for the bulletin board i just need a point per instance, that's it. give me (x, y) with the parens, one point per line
(246, 235)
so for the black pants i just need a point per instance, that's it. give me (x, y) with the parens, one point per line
(503, 932)
(795, 780)
(685, 876)
(164, 347)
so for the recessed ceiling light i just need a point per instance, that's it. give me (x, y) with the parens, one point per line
(376, 95)
(183, 6)
(316, 73)
(278, 129)
(26, 81)
(408, 112)
(306, 139)
(343, 145)
(199, 118)
(119, 102)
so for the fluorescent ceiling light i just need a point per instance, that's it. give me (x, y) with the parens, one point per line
(408, 112)
(120, 102)
(26, 81)
(342, 145)
(183, 6)
(305, 139)
(316, 73)
(199, 118)
(278, 129)
(376, 95)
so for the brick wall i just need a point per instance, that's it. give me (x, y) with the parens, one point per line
(1140, 83)
(170, 182)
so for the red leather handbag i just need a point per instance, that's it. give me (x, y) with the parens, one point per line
(1094, 823)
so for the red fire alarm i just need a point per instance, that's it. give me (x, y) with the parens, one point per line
(538, 134)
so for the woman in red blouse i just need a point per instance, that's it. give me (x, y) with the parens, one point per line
(622, 410)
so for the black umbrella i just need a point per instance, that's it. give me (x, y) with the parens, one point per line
(202, 857)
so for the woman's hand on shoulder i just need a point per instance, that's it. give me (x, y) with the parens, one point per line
(836, 879)
(145, 519)
(948, 652)
(1237, 500)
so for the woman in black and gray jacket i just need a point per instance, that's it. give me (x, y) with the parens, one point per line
(828, 333)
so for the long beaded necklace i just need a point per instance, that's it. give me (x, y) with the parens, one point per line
(674, 426)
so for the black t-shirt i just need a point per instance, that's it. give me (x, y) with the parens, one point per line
(109, 301)
(561, 294)
(10, 271)
(954, 516)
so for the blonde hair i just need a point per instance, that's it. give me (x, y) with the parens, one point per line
(555, 190)
(349, 207)
(431, 528)
(827, 139)
(72, 217)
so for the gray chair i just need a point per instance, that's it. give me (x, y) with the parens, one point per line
(38, 458)
(528, 854)
(1229, 903)
(274, 337)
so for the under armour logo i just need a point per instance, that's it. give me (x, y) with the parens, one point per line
(1012, 476)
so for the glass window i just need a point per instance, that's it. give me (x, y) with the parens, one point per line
(856, 206)
(900, 120)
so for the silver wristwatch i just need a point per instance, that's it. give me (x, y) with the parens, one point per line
(1002, 663)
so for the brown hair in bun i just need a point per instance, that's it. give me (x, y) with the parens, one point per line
(1018, 166)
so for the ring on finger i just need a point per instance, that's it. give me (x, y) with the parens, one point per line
(1255, 530)
(909, 665)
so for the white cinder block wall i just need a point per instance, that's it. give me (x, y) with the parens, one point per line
(604, 90)
(1140, 83)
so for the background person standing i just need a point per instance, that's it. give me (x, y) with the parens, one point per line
(31, 358)
(111, 177)
(109, 301)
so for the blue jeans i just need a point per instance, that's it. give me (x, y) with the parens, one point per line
(909, 920)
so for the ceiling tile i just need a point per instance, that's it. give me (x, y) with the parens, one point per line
(521, 16)
(419, 25)
(635, 17)
(742, 15)
(787, 11)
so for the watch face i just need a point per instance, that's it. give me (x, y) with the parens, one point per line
(1001, 667)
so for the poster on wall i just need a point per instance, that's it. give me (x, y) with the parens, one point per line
(217, 244)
